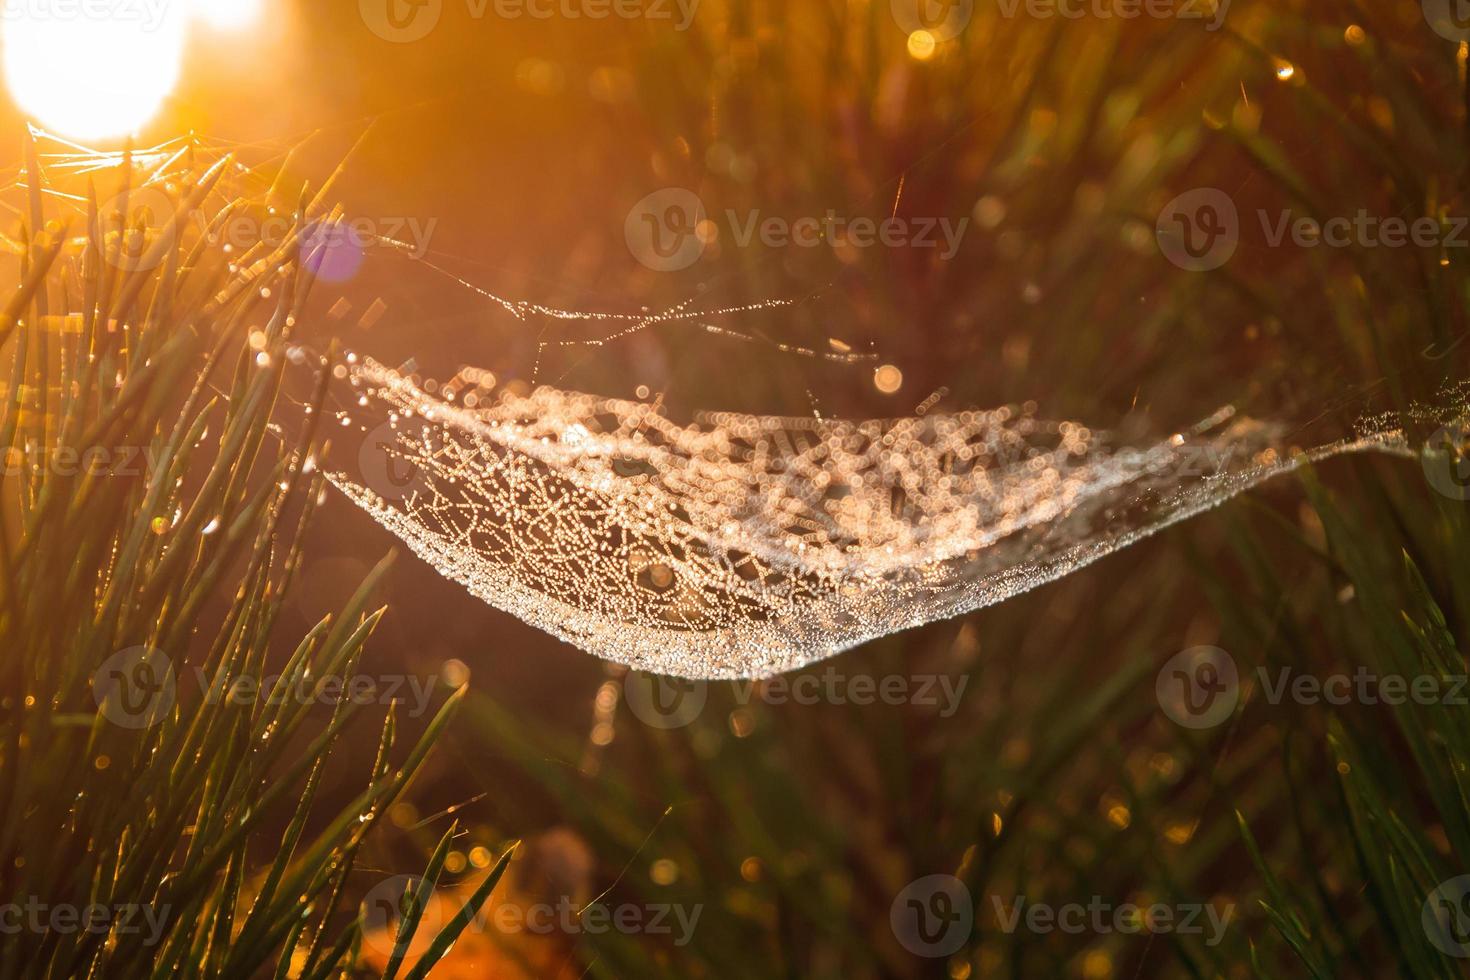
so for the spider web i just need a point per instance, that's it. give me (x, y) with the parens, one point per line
(744, 546)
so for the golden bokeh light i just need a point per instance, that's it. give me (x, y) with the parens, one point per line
(922, 45)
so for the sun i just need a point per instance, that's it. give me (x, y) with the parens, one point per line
(93, 77)
(100, 71)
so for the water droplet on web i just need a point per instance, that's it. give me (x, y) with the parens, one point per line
(748, 545)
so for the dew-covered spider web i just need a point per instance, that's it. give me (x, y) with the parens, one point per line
(742, 546)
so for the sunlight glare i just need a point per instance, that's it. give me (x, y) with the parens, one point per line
(228, 15)
(88, 76)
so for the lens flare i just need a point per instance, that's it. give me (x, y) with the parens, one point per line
(93, 71)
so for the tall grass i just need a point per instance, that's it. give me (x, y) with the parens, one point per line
(153, 522)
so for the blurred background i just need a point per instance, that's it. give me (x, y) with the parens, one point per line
(508, 151)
